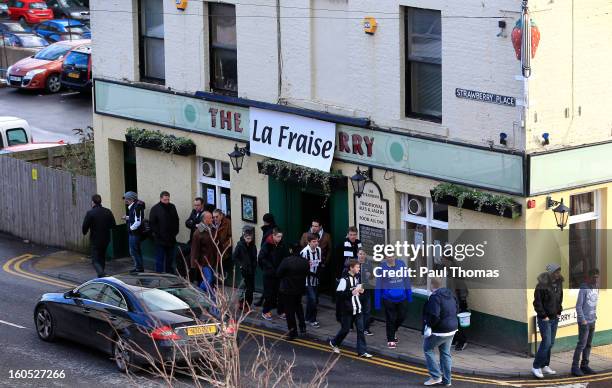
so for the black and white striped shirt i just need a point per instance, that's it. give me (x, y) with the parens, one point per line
(348, 283)
(314, 260)
(350, 250)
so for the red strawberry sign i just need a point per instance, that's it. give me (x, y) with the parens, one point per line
(517, 36)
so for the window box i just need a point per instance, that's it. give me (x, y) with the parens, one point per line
(303, 175)
(155, 140)
(466, 198)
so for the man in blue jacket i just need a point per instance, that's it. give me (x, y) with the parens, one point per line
(393, 287)
(440, 320)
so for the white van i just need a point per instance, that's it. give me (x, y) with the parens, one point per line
(14, 131)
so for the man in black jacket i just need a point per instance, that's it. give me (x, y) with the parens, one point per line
(245, 257)
(547, 302)
(270, 256)
(135, 223)
(98, 222)
(195, 217)
(440, 325)
(292, 273)
(164, 222)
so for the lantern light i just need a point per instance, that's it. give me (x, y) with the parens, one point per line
(237, 156)
(561, 211)
(358, 181)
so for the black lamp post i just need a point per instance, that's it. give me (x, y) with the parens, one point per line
(561, 211)
(358, 181)
(237, 156)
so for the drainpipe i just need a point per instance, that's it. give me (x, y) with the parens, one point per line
(525, 63)
(279, 51)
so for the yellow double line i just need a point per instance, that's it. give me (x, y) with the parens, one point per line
(14, 267)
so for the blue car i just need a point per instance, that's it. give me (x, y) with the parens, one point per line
(129, 315)
(62, 29)
(22, 39)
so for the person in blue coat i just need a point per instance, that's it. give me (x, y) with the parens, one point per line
(393, 289)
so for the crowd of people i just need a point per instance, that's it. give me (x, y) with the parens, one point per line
(290, 271)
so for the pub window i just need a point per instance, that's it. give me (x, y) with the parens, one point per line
(152, 57)
(223, 48)
(214, 179)
(584, 241)
(423, 222)
(423, 63)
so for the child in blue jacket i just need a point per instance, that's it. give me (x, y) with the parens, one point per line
(393, 287)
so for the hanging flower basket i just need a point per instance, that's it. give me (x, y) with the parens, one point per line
(158, 141)
(289, 172)
(480, 201)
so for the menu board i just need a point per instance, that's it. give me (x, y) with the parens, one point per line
(371, 217)
(371, 236)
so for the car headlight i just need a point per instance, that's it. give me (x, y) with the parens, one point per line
(8, 71)
(32, 73)
(75, 15)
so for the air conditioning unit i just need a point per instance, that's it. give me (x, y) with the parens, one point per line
(208, 169)
(416, 207)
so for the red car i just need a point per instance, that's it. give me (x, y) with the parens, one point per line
(42, 71)
(30, 11)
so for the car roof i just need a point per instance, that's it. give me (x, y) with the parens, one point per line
(145, 280)
(83, 49)
(74, 42)
(29, 147)
(66, 22)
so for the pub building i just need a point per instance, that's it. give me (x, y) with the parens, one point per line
(476, 166)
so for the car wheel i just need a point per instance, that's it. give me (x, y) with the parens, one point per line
(45, 327)
(53, 84)
(122, 355)
(23, 22)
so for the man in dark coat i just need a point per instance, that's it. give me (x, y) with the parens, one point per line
(266, 230)
(268, 227)
(270, 256)
(195, 217)
(547, 302)
(98, 222)
(245, 257)
(440, 325)
(292, 273)
(164, 222)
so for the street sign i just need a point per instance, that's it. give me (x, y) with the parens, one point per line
(568, 317)
(485, 97)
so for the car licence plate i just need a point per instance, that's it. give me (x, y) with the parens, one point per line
(74, 75)
(200, 330)
(13, 78)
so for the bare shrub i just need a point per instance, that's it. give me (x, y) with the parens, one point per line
(214, 360)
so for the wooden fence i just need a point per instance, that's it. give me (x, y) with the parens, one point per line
(44, 205)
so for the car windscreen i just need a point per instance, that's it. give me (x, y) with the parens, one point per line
(15, 27)
(154, 299)
(52, 52)
(38, 6)
(78, 60)
(192, 297)
(71, 3)
(33, 41)
(76, 29)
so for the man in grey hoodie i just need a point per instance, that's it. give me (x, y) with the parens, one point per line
(586, 311)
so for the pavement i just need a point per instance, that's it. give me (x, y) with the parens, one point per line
(27, 271)
(476, 360)
(51, 116)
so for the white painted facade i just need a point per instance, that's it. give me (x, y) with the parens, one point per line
(328, 63)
